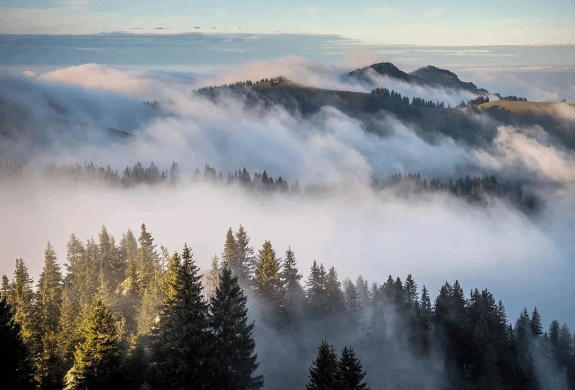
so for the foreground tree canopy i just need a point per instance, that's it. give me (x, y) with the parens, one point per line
(128, 314)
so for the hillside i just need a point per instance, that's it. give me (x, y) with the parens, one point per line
(427, 76)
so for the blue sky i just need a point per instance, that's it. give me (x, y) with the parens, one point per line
(443, 22)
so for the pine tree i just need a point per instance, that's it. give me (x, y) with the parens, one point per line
(230, 254)
(351, 373)
(212, 278)
(324, 372)
(112, 264)
(16, 366)
(292, 294)
(180, 338)
(47, 357)
(315, 291)
(74, 298)
(21, 297)
(266, 275)
(410, 289)
(536, 327)
(97, 359)
(353, 304)
(335, 299)
(232, 351)
(245, 257)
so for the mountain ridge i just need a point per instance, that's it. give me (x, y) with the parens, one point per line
(430, 75)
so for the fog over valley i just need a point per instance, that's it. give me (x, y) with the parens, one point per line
(451, 165)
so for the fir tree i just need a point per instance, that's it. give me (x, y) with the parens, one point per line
(335, 299)
(212, 278)
(97, 359)
(47, 356)
(324, 372)
(245, 257)
(22, 298)
(180, 338)
(315, 291)
(266, 273)
(351, 373)
(292, 294)
(16, 367)
(230, 254)
(232, 351)
(353, 304)
(536, 327)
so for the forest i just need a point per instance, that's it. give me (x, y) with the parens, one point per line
(477, 190)
(132, 315)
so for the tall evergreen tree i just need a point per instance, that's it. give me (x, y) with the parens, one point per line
(230, 254)
(233, 360)
(536, 327)
(16, 366)
(353, 304)
(49, 300)
(212, 278)
(266, 273)
(97, 359)
(292, 294)
(335, 299)
(351, 373)
(21, 297)
(315, 291)
(180, 338)
(324, 373)
(245, 257)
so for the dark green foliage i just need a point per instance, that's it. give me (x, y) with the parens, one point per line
(97, 359)
(232, 357)
(245, 257)
(536, 327)
(48, 359)
(180, 339)
(292, 294)
(324, 372)
(315, 292)
(16, 367)
(351, 373)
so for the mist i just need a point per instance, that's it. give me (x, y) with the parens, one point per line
(64, 116)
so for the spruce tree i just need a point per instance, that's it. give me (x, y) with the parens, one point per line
(212, 278)
(292, 294)
(180, 338)
(335, 299)
(245, 257)
(324, 373)
(230, 254)
(16, 366)
(536, 327)
(21, 297)
(351, 373)
(315, 291)
(353, 304)
(47, 356)
(266, 273)
(233, 360)
(97, 359)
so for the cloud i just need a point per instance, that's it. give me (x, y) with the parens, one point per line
(94, 76)
(435, 238)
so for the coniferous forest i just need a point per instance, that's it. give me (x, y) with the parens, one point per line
(129, 314)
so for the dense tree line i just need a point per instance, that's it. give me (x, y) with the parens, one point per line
(384, 99)
(130, 315)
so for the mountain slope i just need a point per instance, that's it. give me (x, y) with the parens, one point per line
(427, 76)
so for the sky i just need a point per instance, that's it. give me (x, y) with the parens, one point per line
(443, 22)
(104, 58)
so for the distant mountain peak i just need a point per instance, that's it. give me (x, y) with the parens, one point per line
(429, 76)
